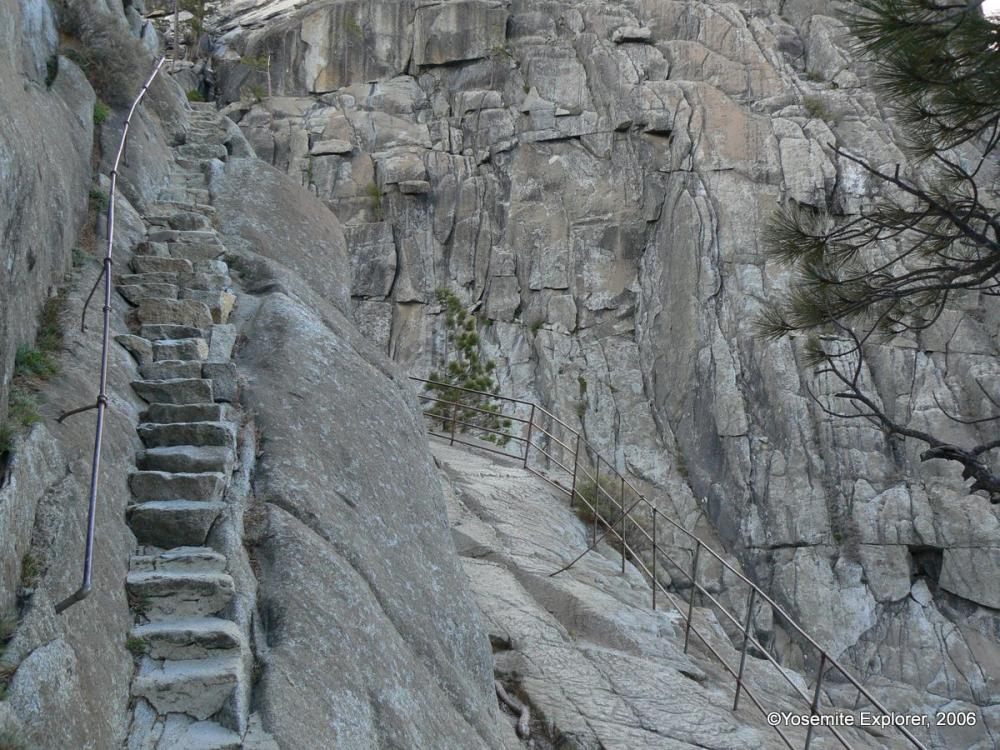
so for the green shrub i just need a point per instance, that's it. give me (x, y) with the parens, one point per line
(98, 200)
(31, 570)
(136, 646)
(35, 363)
(195, 96)
(375, 196)
(604, 499)
(50, 335)
(22, 408)
(815, 107)
(51, 70)
(101, 112)
(607, 501)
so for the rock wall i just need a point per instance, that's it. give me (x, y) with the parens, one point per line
(593, 177)
(70, 673)
(66, 678)
(46, 130)
(372, 636)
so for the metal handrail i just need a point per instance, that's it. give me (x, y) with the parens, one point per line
(614, 528)
(102, 394)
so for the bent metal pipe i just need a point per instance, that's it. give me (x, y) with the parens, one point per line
(102, 394)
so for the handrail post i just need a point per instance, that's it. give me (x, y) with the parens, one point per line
(624, 545)
(694, 590)
(454, 416)
(597, 497)
(527, 443)
(815, 700)
(746, 638)
(576, 462)
(654, 558)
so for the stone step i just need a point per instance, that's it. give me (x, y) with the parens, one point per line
(149, 484)
(205, 735)
(152, 277)
(156, 435)
(184, 195)
(193, 237)
(169, 413)
(179, 219)
(197, 687)
(191, 164)
(186, 458)
(135, 293)
(186, 182)
(203, 151)
(161, 332)
(201, 208)
(211, 281)
(187, 312)
(170, 369)
(189, 350)
(180, 559)
(196, 253)
(156, 264)
(164, 594)
(190, 638)
(174, 391)
(190, 173)
(173, 523)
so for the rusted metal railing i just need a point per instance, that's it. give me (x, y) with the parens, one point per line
(604, 493)
(102, 394)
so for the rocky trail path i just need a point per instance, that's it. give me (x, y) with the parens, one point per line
(597, 665)
(192, 682)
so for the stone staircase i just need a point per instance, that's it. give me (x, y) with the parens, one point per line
(191, 687)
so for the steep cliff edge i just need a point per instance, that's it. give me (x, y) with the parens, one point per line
(593, 178)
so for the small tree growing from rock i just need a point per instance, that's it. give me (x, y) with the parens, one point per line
(463, 366)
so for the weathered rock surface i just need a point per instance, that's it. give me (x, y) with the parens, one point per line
(70, 687)
(597, 182)
(46, 128)
(597, 665)
(387, 609)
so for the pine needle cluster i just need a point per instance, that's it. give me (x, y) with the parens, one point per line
(465, 369)
(932, 237)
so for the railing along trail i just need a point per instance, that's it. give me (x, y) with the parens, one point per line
(102, 392)
(616, 507)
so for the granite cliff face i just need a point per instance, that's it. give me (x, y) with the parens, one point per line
(273, 563)
(594, 177)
